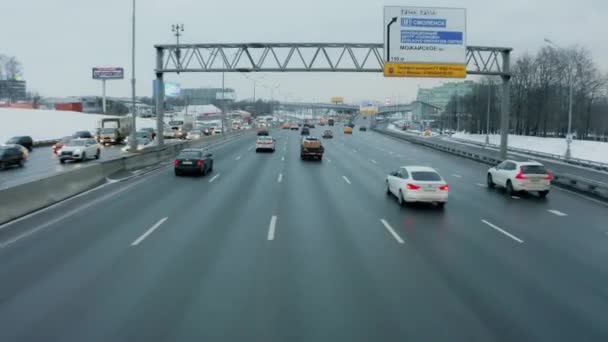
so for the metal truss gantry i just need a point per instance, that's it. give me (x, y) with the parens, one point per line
(313, 57)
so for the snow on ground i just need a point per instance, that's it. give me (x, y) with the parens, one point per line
(51, 124)
(581, 149)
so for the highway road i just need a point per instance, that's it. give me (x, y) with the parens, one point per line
(554, 165)
(43, 163)
(272, 248)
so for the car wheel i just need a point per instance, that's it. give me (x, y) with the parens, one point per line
(441, 205)
(400, 199)
(256, 150)
(211, 167)
(543, 194)
(510, 190)
(203, 172)
(97, 154)
(20, 163)
(388, 189)
(177, 173)
(490, 181)
(84, 156)
(62, 161)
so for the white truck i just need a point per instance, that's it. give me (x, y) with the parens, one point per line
(113, 130)
(182, 125)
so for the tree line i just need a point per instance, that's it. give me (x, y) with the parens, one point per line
(540, 86)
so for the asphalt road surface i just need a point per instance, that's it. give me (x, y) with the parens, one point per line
(43, 163)
(272, 248)
(554, 165)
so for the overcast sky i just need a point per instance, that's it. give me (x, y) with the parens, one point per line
(59, 41)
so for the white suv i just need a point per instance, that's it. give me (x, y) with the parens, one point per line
(79, 149)
(520, 176)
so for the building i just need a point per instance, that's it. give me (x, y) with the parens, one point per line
(13, 90)
(206, 96)
(440, 96)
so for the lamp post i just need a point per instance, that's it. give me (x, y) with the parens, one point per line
(488, 113)
(570, 92)
(388, 38)
(132, 139)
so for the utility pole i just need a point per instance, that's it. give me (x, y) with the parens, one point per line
(223, 106)
(488, 113)
(132, 136)
(570, 91)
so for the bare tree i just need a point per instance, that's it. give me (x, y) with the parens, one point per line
(12, 68)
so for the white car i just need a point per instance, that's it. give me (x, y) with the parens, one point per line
(142, 143)
(520, 176)
(417, 184)
(264, 143)
(79, 149)
(217, 130)
(194, 135)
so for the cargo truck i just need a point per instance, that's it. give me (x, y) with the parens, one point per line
(113, 130)
(311, 148)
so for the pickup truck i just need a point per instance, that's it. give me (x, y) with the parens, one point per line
(311, 148)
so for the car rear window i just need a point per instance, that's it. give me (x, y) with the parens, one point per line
(533, 169)
(425, 176)
(189, 155)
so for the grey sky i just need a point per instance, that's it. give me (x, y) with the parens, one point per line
(59, 41)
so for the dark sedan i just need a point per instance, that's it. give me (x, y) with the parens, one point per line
(11, 155)
(82, 135)
(25, 141)
(305, 131)
(193, 161)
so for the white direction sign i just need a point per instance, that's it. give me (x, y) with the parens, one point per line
(424, 41)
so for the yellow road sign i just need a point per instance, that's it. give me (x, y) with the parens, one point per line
(425, 70)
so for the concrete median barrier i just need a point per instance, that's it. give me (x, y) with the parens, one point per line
(25, 198)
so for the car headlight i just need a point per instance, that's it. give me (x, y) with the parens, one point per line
(77, 151)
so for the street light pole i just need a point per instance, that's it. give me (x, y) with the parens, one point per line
(132, 139)
(388, 38)
(488, 113)
(570, 91)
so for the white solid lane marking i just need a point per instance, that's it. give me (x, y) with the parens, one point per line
(354, 150)
(149, 231)
(271, 228)
(280, 178)
(237, 158)
(250, 148)
(391, 230)
(282, 158)
(514, 197)
(346, 179)
(373, 161)
(328, 160)
(481, 185)
(214, 178)
(457, 176)
(557, 212)
(503, 231)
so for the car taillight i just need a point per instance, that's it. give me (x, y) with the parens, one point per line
(199, 163)
(549, 176)
(520, 175)
(176, 162)
(411, 186)
(444, 188)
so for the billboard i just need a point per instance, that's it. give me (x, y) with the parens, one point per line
(337, 99)
(108, 73)
(424, 42)
(171, 89)
(227, 95)
(368, 108)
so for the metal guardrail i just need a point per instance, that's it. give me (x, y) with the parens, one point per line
(574, 161)
(564, 180)
(41, 143)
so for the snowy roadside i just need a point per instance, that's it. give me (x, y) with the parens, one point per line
(51, 124)
(581, 149)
